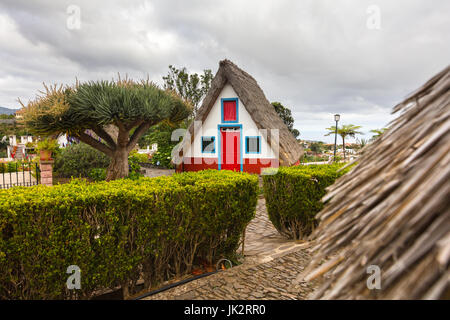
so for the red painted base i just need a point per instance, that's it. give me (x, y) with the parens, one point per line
(250, 165)
(257, 165)
(197, 164)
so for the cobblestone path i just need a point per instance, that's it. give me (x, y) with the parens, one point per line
(155, 172)
(262, 241)
(269, 271)
(274, 280)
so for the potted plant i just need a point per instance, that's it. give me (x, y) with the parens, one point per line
(46, 147)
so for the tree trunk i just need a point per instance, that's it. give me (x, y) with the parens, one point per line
(118, 168)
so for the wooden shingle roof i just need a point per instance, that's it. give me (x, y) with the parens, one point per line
(259, 108)
(392, 209)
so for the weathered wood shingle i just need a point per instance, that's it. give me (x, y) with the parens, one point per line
(259, 108)
(393, 209)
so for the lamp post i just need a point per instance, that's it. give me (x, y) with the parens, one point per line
(336, 118)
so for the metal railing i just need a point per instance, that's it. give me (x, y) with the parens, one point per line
(19, 173)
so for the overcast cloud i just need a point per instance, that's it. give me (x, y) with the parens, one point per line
(317, 57)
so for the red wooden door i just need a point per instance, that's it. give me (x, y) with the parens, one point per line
(230, 149)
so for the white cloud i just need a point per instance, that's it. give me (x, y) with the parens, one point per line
(316, 57)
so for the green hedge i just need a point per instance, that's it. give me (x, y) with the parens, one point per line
(16, 166)
(293, 196)
(118, 231)
(77, 160)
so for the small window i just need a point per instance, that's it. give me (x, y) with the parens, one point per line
(208, 144)
(253, 144)
(230, 110)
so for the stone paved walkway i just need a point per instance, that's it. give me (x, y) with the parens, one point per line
(156, 172)
(269, 271)
(262, 241)
(274, 280)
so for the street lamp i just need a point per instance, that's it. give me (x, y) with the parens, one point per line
(336, 118)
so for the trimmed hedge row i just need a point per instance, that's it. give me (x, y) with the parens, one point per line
(293, 196)
(119, 231)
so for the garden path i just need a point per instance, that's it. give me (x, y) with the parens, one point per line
(262, 241)
(156, 172)
(270, 266)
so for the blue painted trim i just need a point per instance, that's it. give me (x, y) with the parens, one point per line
(220, 143)
(201, 144)
(237, 109)
(259, 142)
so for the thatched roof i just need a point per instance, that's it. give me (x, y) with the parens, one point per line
(261, 111)
(393, 209)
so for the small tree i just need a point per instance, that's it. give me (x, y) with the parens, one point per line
(361, 143)
(110, 116)
(161, 134)
(348, 130)
(286, 115)
(317, 147)
(191, 87)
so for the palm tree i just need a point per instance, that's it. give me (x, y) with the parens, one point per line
(347, 130)
(377, 133)
(361, 143)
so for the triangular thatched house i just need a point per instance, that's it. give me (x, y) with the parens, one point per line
(236, 128)
(391, 213)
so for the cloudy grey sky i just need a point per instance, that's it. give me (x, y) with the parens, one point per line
(318, 57)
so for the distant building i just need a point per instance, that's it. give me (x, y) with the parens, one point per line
(19, 113)
(17, 146)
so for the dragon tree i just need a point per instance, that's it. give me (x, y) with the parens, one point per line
(110, 116)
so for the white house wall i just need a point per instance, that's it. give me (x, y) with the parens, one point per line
(209, 128)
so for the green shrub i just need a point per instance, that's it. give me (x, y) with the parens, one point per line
(83, 161)
(162, 157)
(11, 166)
(16, 166)
(47, 144)
(293, 196)
(97, 174)
(119, 231)
(311, 158)
(138, 157)
(133, 162)
(77, 160)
